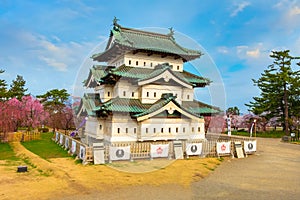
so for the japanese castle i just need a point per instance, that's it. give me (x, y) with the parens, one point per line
(143, 93)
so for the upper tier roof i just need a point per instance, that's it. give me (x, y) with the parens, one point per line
(104, 74)
(123, 40)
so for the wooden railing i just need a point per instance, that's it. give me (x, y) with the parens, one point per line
(21, 136)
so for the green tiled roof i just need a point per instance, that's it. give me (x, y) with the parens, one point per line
(132, 39)
(150, 41)
(136, 108)
(90, 102)
(144, 73)
(132, 72)
(157, 105)
(199, 107)
(123, 105)
(98, 72)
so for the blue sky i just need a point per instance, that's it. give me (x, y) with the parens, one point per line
(47, 41)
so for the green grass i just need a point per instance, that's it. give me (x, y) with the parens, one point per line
(45, 147)
(267, 134)
(7, 153)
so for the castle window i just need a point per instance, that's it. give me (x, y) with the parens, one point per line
(154, 94)
(124, 93)
(188, 96)
(177, 67)
(193, 129)
(100, 126)
(147, 94)
(129, 62)
(134, 130)
(146, 130)
(199, 129)
(132, 94)
(144, 63)
(154, 130)
(151, 64)
(162, 130)
(183, 130)
(118, 130)
(126, 130)
(169, 130)
(108, 94)
(176, 129)
(137, 63)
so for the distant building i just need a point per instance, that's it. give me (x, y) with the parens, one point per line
(143, 93)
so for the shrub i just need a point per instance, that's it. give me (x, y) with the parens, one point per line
(43, 130)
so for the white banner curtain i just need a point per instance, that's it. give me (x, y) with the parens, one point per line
(67, 143)
(159, 150)
(61, 139)
(56, 136)
(119, 153)
(193, 149)
(250, 146)
(223, 147)
(82, 152)
(73, 147)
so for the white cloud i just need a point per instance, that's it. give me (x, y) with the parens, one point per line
(60, 66)
(22, 50)
(223, 50)
(288, 16)
(240, 50)
(253, 53)
(294, 11)
(239, 8)
(250, 52)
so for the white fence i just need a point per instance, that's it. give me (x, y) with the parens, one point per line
(214, 146)
(74, 147)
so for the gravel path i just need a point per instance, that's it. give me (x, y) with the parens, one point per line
(272, 173)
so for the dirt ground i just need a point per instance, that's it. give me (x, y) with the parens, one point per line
(272, 173)
(61, 178)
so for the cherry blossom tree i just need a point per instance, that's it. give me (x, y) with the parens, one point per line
(10, 116)
(33, 112)
(28, 112)
(67, 118)
(215, 124)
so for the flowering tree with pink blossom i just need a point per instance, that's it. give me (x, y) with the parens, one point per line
(215, 123)
(33, 112)
(28, 112)
(10, 115)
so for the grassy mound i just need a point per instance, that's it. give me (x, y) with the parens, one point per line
(45, 147)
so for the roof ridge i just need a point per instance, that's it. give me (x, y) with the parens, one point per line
(144, 32)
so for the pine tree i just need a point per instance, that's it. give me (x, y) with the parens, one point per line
(3, 90)
(279, 91)
(17, 88)
(54, 102)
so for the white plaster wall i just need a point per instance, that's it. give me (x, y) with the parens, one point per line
(125, 89)
(123, 128)
(179, 128)
(106, 92)
(91, 127)
(123, 122)
(145, 61)
(187, 94)
(159, 90)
